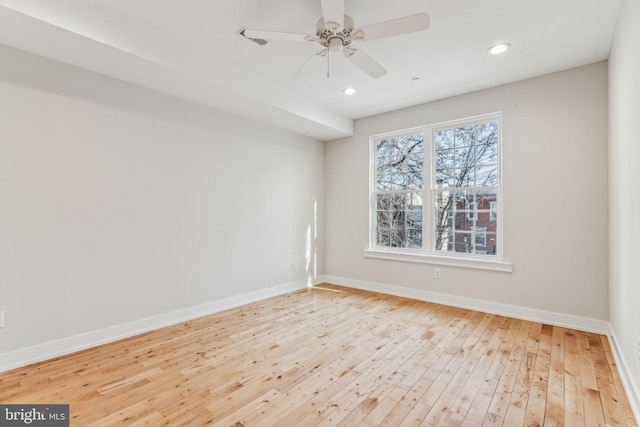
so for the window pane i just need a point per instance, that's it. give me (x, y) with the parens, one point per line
(399, 220)
(471, 242)
(463, 221)
(467, 156)
(485, 175)
(491, 243)
(399, 163)
(447, 205)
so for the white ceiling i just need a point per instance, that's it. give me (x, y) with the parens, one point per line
(190, 49)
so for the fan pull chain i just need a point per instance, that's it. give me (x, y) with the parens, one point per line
(328, 69)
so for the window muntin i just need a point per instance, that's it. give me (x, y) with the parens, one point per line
(459, 204)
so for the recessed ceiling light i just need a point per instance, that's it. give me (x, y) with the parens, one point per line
(349, 91)
(499, 48)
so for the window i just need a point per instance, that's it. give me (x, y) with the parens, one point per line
(471, 211)
(435, 192)
(479, 236)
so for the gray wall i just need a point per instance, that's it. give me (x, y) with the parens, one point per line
(554, 196)
(119, 203)
(624, 175)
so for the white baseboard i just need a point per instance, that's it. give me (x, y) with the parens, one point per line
(52, 349)
(541, 316)
(630, 387)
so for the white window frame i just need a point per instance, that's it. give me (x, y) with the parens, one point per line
(427, 253)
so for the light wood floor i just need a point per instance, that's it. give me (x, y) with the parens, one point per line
(335, 356)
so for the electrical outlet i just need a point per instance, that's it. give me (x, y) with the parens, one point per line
(1, 319)
(436, 273)
(638, 351)
(294, 266)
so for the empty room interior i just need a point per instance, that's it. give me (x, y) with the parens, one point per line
(320, 212)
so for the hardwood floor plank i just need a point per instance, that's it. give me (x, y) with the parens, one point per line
(453, 403)
(524, 380)
(587, 368)
(574, 403)
(480, 405)
(473, 386)
(332, 356)
(554, 414)
(502, 396)
(536, 405)
(625, 408)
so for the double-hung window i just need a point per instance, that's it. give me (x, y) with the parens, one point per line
(436, 194)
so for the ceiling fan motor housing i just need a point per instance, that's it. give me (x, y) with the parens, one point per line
(331, 38)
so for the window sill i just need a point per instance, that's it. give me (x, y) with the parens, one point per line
(448, 260)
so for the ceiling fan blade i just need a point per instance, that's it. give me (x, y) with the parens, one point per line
(320, 53)
(333, 14)
(365, 63)
(275, 36)
(408, 24)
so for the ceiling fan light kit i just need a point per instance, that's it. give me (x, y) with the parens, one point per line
(336, 32)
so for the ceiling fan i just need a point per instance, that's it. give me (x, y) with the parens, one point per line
(335, 32)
